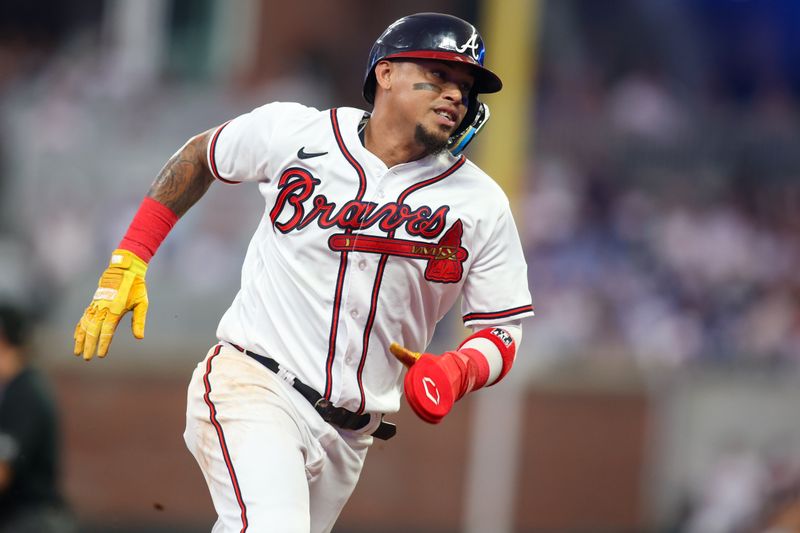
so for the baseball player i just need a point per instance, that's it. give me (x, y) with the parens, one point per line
(374, 225)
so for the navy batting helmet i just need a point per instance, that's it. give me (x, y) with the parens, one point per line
(432, 36)
(444, 38)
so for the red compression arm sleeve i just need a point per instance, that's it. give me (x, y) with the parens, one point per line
(150, 226)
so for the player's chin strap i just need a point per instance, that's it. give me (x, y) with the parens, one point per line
(458, 142)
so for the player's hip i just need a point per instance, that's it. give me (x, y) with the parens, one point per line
(233, 385)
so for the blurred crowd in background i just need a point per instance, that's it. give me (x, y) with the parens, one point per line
(661, 211)
(662, 202)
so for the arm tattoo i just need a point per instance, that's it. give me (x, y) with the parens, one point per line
(185, 178)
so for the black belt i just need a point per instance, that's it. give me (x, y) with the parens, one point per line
(338, 416)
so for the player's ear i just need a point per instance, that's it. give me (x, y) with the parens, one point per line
(383, 74)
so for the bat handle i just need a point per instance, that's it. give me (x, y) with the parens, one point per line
(404, 355)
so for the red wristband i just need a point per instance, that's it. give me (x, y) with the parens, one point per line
(504, 343)
(150, 226)
(478, 369)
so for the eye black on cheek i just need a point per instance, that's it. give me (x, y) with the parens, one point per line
(426, 87)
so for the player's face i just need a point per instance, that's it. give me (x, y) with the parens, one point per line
(434, 95)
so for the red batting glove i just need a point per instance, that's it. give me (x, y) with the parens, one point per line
(434, 382)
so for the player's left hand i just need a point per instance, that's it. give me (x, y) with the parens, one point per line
(428, 383)
(121, 289)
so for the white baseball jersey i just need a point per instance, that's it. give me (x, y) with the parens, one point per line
(351, 255)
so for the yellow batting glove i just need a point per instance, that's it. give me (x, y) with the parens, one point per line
(121, 289)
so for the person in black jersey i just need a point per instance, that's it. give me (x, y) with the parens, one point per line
(30, 500)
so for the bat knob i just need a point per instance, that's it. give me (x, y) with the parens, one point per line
(404, 355)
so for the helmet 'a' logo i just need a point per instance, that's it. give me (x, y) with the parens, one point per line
(472, 45)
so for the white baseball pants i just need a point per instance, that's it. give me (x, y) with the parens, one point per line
(270, 462)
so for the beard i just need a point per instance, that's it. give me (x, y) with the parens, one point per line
(434, 144)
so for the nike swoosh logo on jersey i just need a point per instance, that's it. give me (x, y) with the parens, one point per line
(302, 154)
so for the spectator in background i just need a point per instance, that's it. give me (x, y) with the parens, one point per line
(29, 496)
(732, 493)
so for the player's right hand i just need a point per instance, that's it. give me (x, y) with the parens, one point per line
(121, 289)
(428, 384)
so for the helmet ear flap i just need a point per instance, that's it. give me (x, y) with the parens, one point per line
(473, 106)
(477, 115)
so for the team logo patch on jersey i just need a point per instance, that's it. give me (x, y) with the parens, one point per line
(445, 258)
(503, 335)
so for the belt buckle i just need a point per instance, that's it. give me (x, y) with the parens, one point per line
(325, 409)
(384, 431)
(338, 416)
